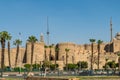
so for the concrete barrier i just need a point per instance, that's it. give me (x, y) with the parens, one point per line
(50, 78)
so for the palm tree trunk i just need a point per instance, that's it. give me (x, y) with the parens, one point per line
(66, 61)
(98, 55)
(45, 55)
(2, 54)
(17, 52)
(25, 60)
(55, 60)
(50, 58)
(9, 54)
(56, 53)
(32, 50)
(50, 55)
(92, 57)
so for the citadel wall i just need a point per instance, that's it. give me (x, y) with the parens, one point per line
(50, 53)
(38, 54)
(75, 54)
(13, 55)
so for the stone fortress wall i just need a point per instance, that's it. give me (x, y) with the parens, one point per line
(76, 53)
(38, 52)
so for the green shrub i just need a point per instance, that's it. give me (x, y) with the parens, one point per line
(27, 66)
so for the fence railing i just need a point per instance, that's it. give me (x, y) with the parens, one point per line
(25, 73)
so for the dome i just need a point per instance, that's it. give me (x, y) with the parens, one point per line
(118, 34)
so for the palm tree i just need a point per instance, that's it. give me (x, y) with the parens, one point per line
(50, 52)
(9, 58)
(17, 42)
(99, 43)
(32, 40)
(50, 55)
(56, 52)
(92, 41)
(3, 37)
(67, 50)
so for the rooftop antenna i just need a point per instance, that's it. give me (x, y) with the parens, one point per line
(111, 29)
(47, 32)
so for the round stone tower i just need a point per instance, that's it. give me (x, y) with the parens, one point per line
(62, 52)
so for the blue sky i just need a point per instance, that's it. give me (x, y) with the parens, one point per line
(69, 20)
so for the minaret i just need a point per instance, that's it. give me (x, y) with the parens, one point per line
(111, 29)
(47, 32)
(41, 38)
